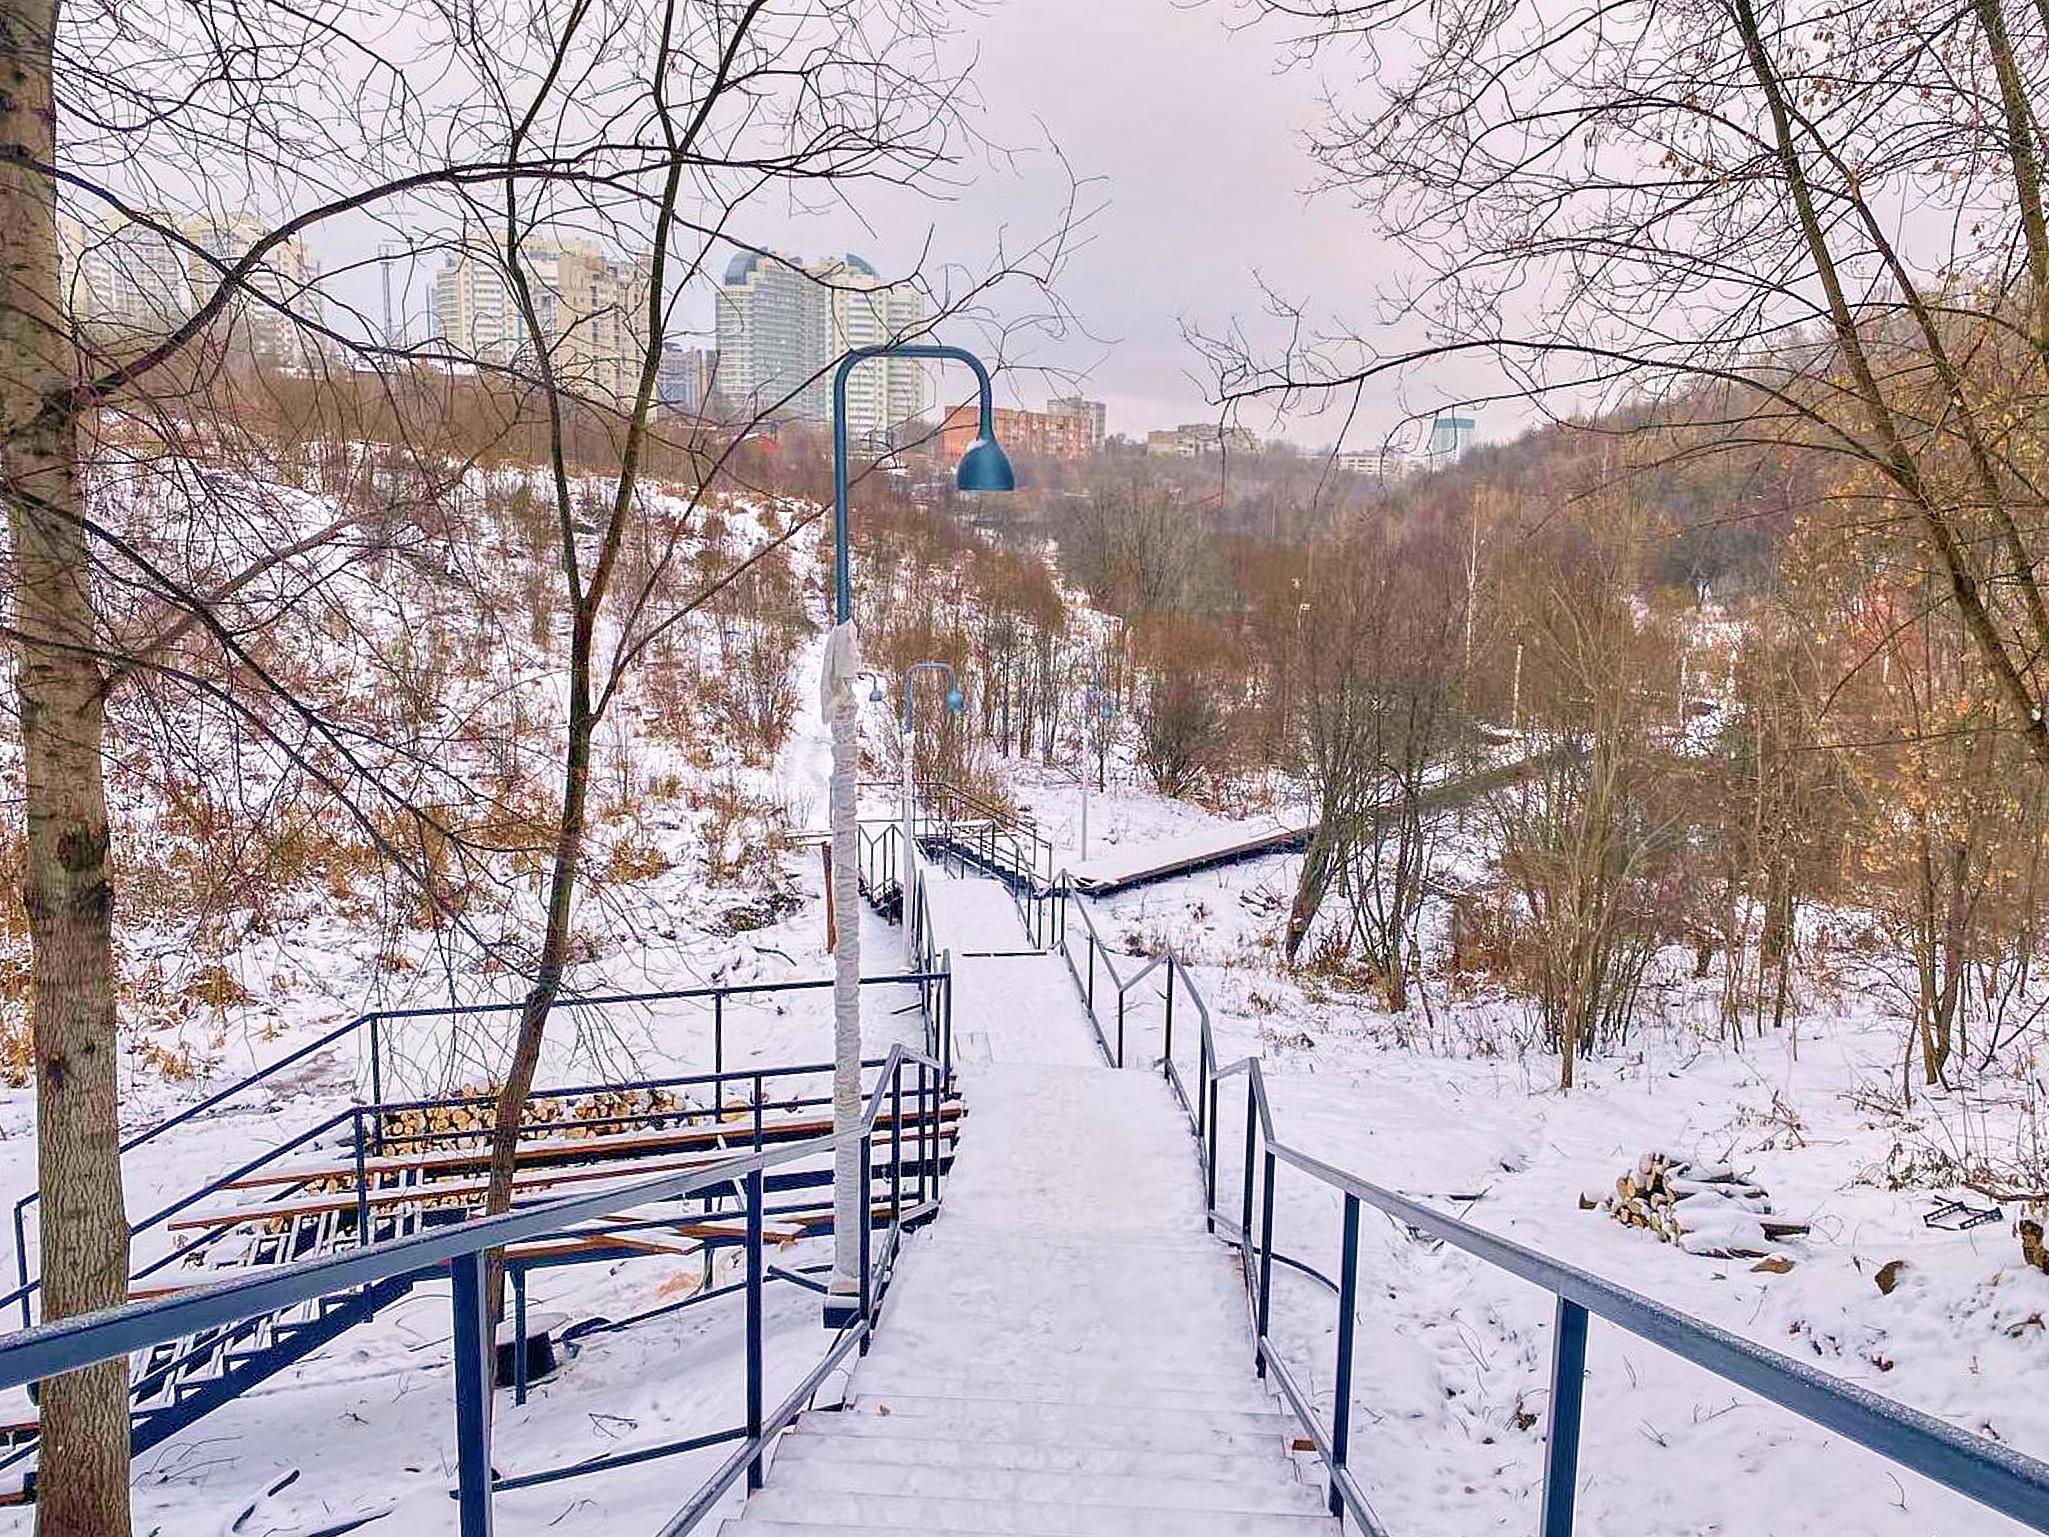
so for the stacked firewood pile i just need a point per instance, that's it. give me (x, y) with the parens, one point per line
(468, 1116)
(1706, 1209)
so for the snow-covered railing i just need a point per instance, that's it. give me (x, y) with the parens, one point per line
(1975, 1466)
(463, 1251)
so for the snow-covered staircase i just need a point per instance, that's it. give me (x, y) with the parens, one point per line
(1062, 1352)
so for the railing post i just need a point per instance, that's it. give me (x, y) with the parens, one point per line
(21, 1255)
(1120, 1027)
(896, 1147)
(718, 1047)
(377, 1072)
(1209, 1203)
(1561, 1441)
(473, 1362)
(925, 1126)
(1266, 1263)
(946, 1040)
(1245, 1217)
(1167, 1061)
(1092, 974)
(519, 1383)
(1348, 1307)
(362, 1183)
(866, 1183)
(754, 1280)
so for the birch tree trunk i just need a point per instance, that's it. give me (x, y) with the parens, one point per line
(83, 1478)
(842, 662)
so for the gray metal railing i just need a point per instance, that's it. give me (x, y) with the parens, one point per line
(1994, 1475)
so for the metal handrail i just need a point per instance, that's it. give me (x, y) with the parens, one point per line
(935, 989)
(1996, 1476)
(47, 1350)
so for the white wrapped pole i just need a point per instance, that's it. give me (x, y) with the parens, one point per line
(837, 699)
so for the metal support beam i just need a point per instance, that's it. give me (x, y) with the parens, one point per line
(1341, 1393)
(473, 1364)
(1561, 1441)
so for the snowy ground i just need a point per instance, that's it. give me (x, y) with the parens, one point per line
(366, 1426)
(1450, 1407)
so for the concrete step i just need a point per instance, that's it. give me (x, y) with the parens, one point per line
(888, 1368)
(1066, 1422)
(1101, 1393)
(810, 1510)
(1272, 1492)
(815, 1441)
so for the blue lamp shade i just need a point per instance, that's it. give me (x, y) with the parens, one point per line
(954, 700)
(985, 467)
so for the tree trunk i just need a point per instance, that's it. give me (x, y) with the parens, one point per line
(553, 961)
(1318, 865)
(67, 891)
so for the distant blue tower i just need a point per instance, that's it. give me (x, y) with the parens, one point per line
(1449, 437)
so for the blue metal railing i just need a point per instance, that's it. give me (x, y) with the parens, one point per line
(464, 1250)
(934, 982)
(1981, 1469)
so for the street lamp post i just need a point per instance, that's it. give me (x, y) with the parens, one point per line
(984, 467)
(954, 702)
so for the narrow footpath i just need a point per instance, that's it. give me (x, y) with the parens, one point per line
(1063, 1352)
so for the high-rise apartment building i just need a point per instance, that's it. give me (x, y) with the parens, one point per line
(1091, 411)
(132, 281)
(278, 294)
(685, 381)
(590, 309)
(783, 323)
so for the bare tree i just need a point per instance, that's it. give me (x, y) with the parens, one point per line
(1379, 689)
(1705, 198)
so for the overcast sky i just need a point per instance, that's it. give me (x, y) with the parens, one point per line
(1190, 137)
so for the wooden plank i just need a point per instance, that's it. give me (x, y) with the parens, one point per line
(572, 1150)
(447, 1192)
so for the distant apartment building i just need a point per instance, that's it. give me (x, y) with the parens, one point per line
(782, 325)
(1041, 433)
(1375, 463)
(590, 309)
(132, 281)
(1192, 440)
(686, 379)
(1091, 411)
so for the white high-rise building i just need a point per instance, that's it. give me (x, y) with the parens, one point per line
(127, 280)
(591, 308)
(281, 292)
(133, 281)
(782, 324)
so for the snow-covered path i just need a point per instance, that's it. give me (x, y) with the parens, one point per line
(1062, 1352)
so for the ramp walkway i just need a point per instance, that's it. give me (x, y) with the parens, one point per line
(1164, 858)
(1062, 1353)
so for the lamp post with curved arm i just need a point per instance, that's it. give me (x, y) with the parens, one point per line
(984, 467)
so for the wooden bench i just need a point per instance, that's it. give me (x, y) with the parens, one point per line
(730, 1137)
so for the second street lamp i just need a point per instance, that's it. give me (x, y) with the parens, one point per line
(984, 467)
(954, 703)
